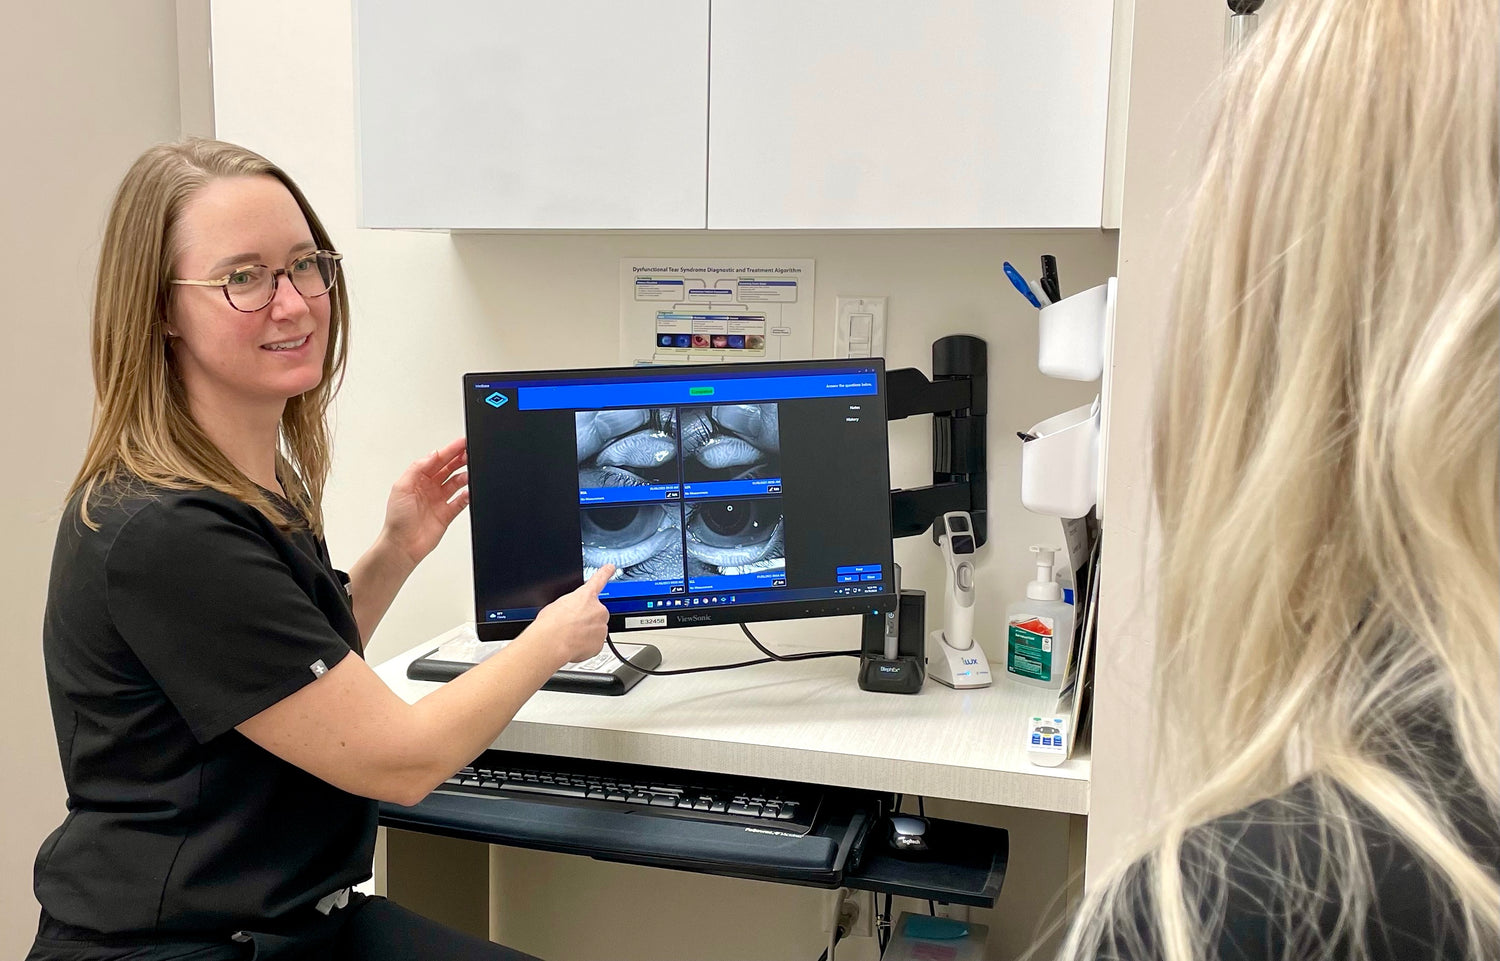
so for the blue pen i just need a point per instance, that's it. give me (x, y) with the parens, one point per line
(1020, 284)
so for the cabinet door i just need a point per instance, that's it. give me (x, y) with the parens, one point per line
(575, 114)
(887, 113)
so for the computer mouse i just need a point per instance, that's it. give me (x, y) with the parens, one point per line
(908, 834)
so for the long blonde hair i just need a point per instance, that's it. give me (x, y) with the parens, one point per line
(1327, 471)
(142, 428)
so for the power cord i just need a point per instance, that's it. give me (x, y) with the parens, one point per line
(839, 934)
(883, 920)
(771, 656)
(922, 813)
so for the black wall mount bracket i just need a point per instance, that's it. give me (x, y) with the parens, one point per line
(958, 398)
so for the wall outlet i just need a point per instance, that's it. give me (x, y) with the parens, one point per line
(859, 328)
(856, 912)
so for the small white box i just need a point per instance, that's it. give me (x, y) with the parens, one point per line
(1060, 466)
(1070, 336)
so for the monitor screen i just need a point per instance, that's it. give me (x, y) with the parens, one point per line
(721, 493)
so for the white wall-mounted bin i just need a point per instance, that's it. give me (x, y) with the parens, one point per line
(1070, 336)
(1060, 465)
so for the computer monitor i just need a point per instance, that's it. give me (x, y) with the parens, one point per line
(722, 493)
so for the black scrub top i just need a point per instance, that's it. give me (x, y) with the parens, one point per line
(184, 614)
(1233, 863)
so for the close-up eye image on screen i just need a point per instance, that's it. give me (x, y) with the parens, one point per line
(643, 541)
(629, 494)
(740, 536)
(730, 443)
(626, 448)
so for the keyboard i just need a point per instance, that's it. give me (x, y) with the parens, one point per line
(637, 814)
(786, 807)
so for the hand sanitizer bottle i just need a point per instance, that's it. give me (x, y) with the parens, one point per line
(1039, 630)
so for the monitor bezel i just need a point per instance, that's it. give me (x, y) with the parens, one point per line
(880, 603)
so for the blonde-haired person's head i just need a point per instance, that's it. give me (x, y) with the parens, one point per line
(142, 426)
(1327, 476)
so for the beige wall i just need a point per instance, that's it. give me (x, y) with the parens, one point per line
(1177, 53)
(87, 86)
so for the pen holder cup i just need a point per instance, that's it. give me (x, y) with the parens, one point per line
(1070, 336)
(1060, 467)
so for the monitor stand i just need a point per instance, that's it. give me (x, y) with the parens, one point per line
(601, 674)
(604, 673)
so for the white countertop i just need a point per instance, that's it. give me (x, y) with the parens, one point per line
(804, 721)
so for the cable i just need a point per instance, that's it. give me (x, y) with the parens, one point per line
(922, 813)
(681, 670)
(771, 657)
(804, 656)
(839, 934)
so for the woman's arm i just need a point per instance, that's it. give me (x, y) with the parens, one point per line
(374, 581)
(425, 499)
(351, 730)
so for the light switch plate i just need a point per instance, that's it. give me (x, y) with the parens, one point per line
(859, 329)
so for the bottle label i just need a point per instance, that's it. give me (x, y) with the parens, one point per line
(1029, 651)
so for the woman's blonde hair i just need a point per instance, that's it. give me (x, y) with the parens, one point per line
(142, 428)
(1327, 472)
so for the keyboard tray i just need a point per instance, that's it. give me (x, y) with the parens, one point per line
(965, 864)
(818, 858)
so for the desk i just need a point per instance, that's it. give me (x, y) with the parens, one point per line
(808, 721)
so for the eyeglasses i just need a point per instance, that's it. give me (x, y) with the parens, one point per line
(253, 286)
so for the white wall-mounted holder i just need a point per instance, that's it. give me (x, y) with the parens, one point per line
(1070, 336)
(1060, 464)
(1106, 391)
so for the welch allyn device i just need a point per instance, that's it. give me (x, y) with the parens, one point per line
(952, 656)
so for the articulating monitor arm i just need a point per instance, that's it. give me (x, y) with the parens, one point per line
(958, 398)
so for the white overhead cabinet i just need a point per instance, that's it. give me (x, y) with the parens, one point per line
(732, 114)
(570, 114)
(893, 114)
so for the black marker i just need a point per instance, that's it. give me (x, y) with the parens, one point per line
(1049, 277)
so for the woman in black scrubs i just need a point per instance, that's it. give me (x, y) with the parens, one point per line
(222, 740)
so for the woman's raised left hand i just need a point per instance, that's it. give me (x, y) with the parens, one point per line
(425, 499)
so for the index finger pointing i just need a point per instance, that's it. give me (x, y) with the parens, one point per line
(601, 577)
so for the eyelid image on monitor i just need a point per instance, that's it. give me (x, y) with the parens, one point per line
(721, 493)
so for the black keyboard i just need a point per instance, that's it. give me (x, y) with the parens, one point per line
(782, 806)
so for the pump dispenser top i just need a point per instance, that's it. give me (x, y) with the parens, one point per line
(1044, 588)
(1039, 629)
